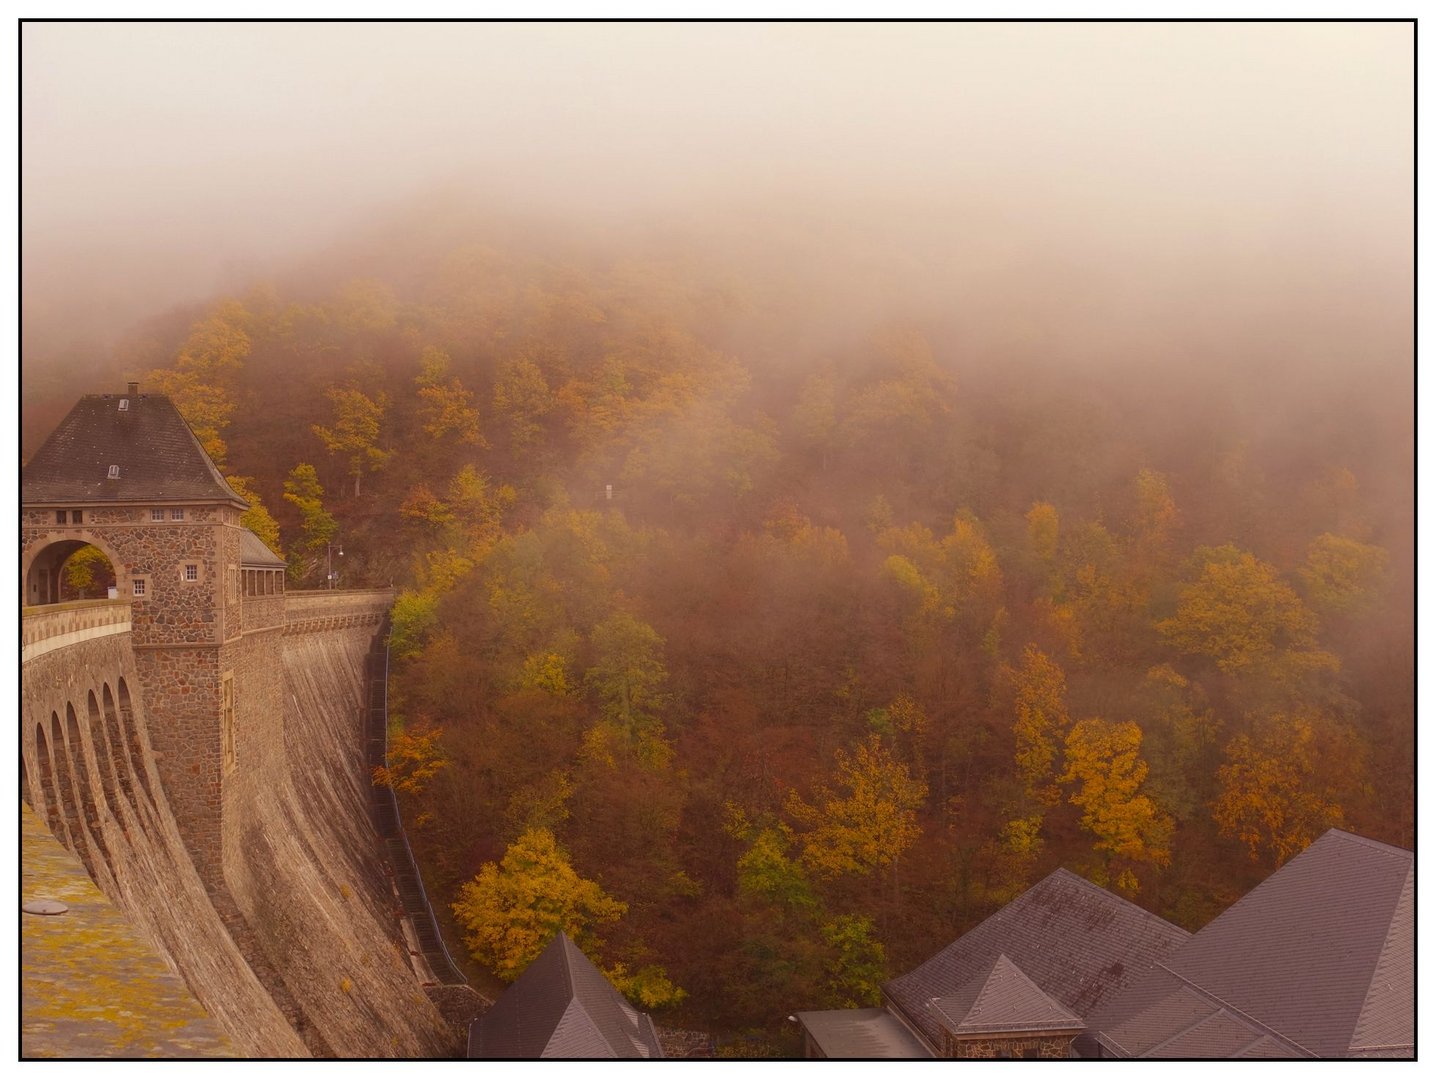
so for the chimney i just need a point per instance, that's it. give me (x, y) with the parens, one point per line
(134, 389)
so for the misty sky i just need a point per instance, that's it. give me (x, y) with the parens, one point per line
(162, 162)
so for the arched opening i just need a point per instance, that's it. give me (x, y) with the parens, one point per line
(53, 816)
(65, 788)
(119, 750)
(104, 760)
(132, 737)
(75, 569)
(81, 776)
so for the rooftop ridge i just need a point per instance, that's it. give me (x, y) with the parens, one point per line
(1366, 841)
(1245, 1017)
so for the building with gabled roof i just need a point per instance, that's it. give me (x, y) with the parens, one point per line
(1318, 961)
(562, 1006)
(1075, 943)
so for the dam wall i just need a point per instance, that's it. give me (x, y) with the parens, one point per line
(288, 930)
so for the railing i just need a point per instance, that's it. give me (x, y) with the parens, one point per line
(333, 609)
(385, 809)
(53, 626)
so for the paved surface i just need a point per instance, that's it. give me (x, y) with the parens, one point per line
(91, 984)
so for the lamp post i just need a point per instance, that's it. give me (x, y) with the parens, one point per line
(329, 562)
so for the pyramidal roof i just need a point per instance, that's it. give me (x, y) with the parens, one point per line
(1002, 999)
(1079, 944)
(141, 452)
(563, 1007)
(1319, 957)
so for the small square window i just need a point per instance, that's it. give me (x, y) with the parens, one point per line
(60, 517)
(157, 514)
(124, 404)
(191, 571)
(177, 514)
(77, 517)
(114, 472)
(138, 586)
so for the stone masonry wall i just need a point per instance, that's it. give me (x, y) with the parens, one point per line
(95, 784)
(1016, 1046)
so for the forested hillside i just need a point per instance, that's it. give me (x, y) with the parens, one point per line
(768, 627)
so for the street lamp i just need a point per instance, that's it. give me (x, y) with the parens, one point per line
(329, 561)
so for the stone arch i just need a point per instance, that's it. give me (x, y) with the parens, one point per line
(104, 760)
(54, 815)
(40, 566)
(119, 748)
(68, 798)
(132, 738)
(90, 818)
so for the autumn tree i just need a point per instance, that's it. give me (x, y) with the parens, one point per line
(201, 382)
(1279, 789)
(415, 755)
(357, 418)
(1103, 761)
(1040, 724)
(513, 910)
(87, 569)
(1239, 614)
(1342, 576)
(317, 525)
(446, 408)
(522, 402)
(866, 820)
(257, 519)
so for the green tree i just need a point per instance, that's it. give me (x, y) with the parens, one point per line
(522, 399)
(628, 677)
(856, 965)
(513, 910)
(357, 418)
(1343, 576)
(317, 525)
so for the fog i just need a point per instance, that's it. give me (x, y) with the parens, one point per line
(164, 162)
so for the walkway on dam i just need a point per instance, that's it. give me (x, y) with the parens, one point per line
(91, 985)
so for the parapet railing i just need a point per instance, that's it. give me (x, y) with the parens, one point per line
(390, 826)
(53, 626)
(319, 603)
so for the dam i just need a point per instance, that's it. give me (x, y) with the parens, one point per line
(198, 743)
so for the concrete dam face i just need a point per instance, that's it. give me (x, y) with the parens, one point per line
(293, 940)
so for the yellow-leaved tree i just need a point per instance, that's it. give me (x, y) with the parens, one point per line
(1103, 760)
(1041, 722)
(356, 430)
(513, 910)
(866, 820)
(1279, 787)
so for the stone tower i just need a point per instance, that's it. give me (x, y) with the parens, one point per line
(125, 473)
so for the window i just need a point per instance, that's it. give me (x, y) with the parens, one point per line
(177, 514)
(114, 472)
(124, 404)
(59, 517)
(157, 514)
(191, 571)
(137, 586)
(226, 697)
(77, 517)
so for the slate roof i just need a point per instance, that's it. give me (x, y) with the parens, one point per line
(862, 1033)
(1079, 944)
(1002, 999)
(563, 1007)
(158, 456)
(1318, 958)
(255, 552)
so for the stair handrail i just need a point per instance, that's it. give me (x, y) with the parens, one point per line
(403, 835)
